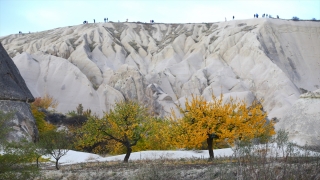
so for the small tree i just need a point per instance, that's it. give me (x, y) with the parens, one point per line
(45, 102)
(125, 125)
(217, 121)
(41, 123)
(55, 143)
(16, 158)
(80, 109)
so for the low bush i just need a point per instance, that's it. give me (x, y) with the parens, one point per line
(295, 18)
(15, 158)
(45, 102)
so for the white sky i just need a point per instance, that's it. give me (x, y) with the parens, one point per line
(39, 15)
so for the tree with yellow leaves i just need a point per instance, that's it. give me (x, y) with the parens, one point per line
(125, 125)
(156, 137)
(216, 121)
(41, 123)
(45, 102)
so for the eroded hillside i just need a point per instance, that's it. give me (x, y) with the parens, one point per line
(161, 64)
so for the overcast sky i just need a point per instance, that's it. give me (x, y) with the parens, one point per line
(39, 15)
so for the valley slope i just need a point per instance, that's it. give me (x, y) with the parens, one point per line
(161, 64)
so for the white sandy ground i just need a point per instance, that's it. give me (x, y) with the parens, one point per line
(74, 157)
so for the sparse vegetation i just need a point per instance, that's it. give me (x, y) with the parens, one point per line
(45, 102)
(250, 161)
(295, 18)
(248, 28)
(242, 24)
(212, 39)
(133, 44)
(15, 158)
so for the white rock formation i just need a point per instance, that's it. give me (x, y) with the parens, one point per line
(302, 120)
(98, 64)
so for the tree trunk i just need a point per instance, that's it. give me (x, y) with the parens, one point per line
(126, 158)
(57, 167)
(210, 148)
(38, 161)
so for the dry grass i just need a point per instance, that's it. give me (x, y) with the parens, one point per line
(248, 167)
(278, 160)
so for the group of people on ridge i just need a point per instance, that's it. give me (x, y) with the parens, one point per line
(94, 21)
(106, 20)
(264, 15)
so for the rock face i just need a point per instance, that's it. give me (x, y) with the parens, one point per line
(12, 85)
(303, 120)
(162, 64)
(14, 96)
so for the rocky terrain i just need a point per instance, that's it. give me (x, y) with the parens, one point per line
(14, 99)
(270, 60)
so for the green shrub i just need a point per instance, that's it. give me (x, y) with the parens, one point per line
(16, 157)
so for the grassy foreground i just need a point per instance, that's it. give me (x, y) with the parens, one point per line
(268, 161)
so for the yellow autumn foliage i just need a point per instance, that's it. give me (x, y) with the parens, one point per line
(45, 102)
(156, 138)
(41, 123)
(222, 122)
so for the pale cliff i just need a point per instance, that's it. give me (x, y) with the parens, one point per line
(160, 64)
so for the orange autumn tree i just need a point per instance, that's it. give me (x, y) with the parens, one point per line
(215, 121)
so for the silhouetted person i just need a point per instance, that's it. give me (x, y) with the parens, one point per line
(278, 16)
(94, 21)
(105, 19)
(254, 16)
(233, 17)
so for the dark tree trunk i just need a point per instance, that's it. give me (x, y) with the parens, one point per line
(129, 150)
(38, 161)
(57, 167)
(210, 148)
